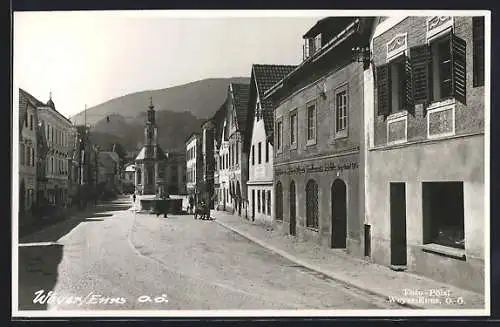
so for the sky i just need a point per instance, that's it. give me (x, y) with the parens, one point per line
(86, 58)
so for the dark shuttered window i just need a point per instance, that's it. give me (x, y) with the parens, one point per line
(438, 70)
(383, 90)
(459, 73)
(478, 51)
(408, 87)
(420, 61)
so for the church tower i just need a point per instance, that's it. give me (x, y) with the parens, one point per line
(150, 145)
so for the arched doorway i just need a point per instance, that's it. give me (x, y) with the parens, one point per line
(312, 217)
(279, 202)
(293, 207)
(339, 214)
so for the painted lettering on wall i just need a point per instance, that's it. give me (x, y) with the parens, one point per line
(311, 168)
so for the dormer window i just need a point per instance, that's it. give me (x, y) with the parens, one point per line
(312, 45)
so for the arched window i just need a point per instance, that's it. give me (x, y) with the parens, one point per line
(312, 204)
(279, 201)
(139, 177)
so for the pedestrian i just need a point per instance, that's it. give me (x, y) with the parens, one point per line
(191, 204)
(133, 198)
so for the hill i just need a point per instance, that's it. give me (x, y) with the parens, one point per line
(201, 98)
(173, 129)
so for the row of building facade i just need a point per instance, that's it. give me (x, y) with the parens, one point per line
(59, 167)
(373, 144)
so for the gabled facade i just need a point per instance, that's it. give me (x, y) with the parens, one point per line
(236, 124)
(85, 171)
(318, 139)
(258, 141)
(109, 170)
(425, 176)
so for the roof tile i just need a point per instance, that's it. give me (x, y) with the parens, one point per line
(240, 98)
(265, 77)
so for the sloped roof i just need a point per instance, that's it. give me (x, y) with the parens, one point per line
(240, 101)
(160, 154)
(218, 118)
(26, 99)
(263, 77)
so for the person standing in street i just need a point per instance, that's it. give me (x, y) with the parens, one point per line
(191, 204)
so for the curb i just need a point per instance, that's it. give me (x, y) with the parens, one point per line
(312, 267)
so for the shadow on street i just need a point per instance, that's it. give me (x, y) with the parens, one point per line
(37, 274)
(60, 228)
(39, 255)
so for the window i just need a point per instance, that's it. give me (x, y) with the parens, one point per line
(433, 72)
(443, 213)
(237, 147)
(267, 151)
(263, 205)
(312, 204)
(478, 51)
(33, 157)
(311, 45)
(257, 111)
(441, 76)
(269, 203)
(26, 122)
(31, 122)
(258, 200)
(279, 201)
(293, 128)
(311, 123)
(253, 155)
(259, 152)
(28, 156)
(22, 154)
(278, 135)
(393, 86)
(341, 108)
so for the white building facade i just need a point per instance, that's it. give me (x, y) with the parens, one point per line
(60, 133)
(193, 168)
(259, 145)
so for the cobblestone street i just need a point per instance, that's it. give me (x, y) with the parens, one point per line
(115, 259)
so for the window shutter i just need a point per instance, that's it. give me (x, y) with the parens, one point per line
(420, 59)
(383, 90)
(458, 53)
(408, 87)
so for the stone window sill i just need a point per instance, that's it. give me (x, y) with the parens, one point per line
(311, 143)
(444, 250)
(397, 114)
(313, 229)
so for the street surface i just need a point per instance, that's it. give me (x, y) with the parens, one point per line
(113, 258)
